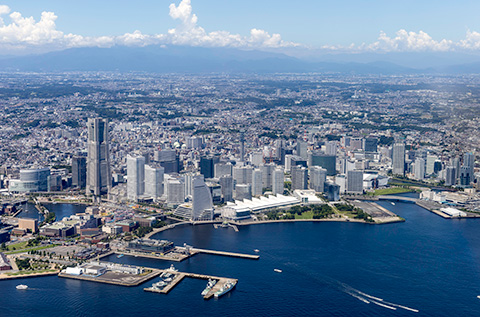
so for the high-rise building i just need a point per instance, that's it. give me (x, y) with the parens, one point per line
(168, 159)
(302, 149)
(318, 177)
(465, 176)
(175, 191)
(79, 171)
(450, 178)
(194, 143)
(331, 148)
(243, 191)
(355, 182)
(419, 169)
(257, 180)
(242, 174)
(135, 177)
(267, 172)
(31, 180)
(154, 181)
(201, 200)
(226, 182)
(299, 177)
(54, 183)
(222, 169)
(278, 181)
(398, 159)
(328, 162)
(256, 158)
(207, 164)
(99, 179)
(430, 164)
(370, 144)
(469, 163)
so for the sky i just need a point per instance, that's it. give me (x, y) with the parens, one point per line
(338, 26)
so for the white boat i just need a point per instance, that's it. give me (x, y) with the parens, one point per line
(22, 286)
(211, 283)
(478, 296)
(392, 203)
(256, 250)
(172, 268)
(227, 287)
(278, 270)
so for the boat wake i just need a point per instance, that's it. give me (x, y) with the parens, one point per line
(366, 298)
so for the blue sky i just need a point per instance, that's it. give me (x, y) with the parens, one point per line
(308, 23)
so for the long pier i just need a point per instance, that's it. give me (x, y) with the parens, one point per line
(231, 254)
(179, 276)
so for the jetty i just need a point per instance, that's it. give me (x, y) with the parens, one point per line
(231, 254)
(179, 276)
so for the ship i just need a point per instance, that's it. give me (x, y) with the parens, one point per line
(211, 283)
(22, 286)
(278, 270)
(227, 287)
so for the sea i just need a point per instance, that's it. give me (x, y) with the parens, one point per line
(425, 266)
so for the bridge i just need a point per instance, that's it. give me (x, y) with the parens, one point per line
(397, 198)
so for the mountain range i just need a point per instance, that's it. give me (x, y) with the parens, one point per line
(182, 59)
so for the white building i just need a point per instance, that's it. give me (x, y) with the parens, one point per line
(135, 177)
(154, 181)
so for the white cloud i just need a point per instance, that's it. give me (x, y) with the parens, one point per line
(408, 41)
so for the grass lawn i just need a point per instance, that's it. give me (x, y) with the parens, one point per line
(17, 246)
(390, 191)
(305, 215)
(31, 249)
(30, 272)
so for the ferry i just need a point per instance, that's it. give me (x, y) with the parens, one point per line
(227, 287)
(278, 270)
(211, 283)
(22, 286)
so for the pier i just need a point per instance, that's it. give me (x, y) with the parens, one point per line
(179, 276)
(231, 254)
(115, 278)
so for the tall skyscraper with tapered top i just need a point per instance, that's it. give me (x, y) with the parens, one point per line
(98, 160)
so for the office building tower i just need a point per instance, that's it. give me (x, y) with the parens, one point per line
(222, 169)
(256, 158)
(257, 180)
(430, 164)
(207, 164)
(398, 159)
(226, 182)
(355, 182)
(99, 178)
(465, 176)
(469, 163)
(54, 183)
(370, 144)
(175, 191)
(318, 177)
(79, 171)
(243, 191)
(331, 148)
(278, 181)
(419, 169)
(242, 147)
(296, 160)
(333, 191)
(168, 159)
(154, 181)
(135, 177)
(328, 162)
(302, 149)
(194, 143)
(242, 174)
(450, 179)
(299, 177)
(267, 172)
(202, 204)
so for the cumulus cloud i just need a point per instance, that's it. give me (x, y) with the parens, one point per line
(409, 41)
(24, 32)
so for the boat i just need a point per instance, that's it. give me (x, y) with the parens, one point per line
(211, 283)
(478, 296)
(172, 268)
(256, 250)
(392, 203)
(278, 270)
(120, 255)
(160, 284)
(22, 286)
(227, 287)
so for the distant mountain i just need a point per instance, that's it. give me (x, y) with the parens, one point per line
(180, 59)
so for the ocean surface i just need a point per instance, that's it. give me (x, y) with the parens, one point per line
(426, 266)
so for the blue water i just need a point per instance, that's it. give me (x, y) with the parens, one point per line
(426, 263)
(60, 210)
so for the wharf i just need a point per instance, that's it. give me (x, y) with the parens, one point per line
(179, 276)
(116, 278)
(231, 254)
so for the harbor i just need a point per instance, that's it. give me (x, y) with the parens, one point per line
(179, 276)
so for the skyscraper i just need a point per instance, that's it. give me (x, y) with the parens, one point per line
(299, 177)
(398, 159)
(355, 182)
(318, 177)
(226, 182)
(450, 178)
(278, 181)
(419, 169)
(136, 177)
(257, 182)
(154, 181)
(328, 162)
(302, 149)
(202, 205)
(79, 171)
(370, 144)
(99, 179)
(207, 164)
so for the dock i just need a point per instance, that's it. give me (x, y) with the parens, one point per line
(179, 276)
(116, 278)
(231, 254)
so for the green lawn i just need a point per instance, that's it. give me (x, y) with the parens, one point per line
(31, 249)
(17, 246)
(305, 215)
(390, 191)
(30, 272)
